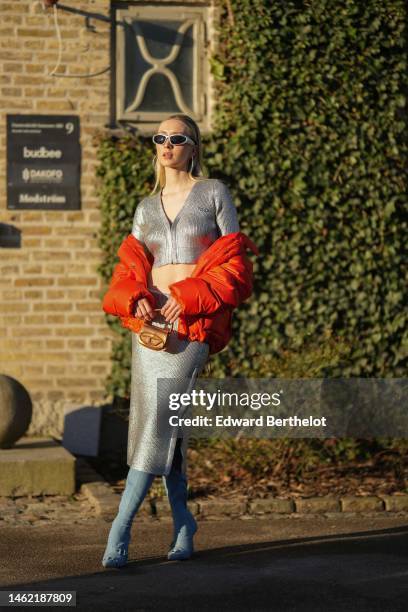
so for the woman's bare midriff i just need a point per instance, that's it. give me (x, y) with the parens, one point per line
(163, 276)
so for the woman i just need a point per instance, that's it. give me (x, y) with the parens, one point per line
(186, 258)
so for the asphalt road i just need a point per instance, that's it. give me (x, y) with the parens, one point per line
(284, 564)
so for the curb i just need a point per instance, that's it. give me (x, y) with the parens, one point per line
(95, 488)
(106, 503)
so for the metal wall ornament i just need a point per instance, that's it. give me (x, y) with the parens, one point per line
(161, 64)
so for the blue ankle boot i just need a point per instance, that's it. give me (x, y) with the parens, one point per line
(185, 526)
(137, 485)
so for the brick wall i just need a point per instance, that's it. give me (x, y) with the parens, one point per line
(53, 334)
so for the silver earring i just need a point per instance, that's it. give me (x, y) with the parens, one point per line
(192, 164)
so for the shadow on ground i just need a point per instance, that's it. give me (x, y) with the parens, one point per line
(281, 565)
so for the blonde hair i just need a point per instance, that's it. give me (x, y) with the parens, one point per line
(197, 174)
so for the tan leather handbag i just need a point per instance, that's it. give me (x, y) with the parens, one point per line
(153, 337)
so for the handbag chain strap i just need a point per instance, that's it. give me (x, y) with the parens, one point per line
(167, 322)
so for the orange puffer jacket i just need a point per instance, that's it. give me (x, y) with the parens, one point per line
(221, 280)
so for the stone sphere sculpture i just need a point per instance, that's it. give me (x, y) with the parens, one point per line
(16, 410)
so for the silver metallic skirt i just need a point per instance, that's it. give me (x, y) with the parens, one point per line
(151, 438)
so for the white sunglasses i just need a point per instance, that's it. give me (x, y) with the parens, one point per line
(175, 139)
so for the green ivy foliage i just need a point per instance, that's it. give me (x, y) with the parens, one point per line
(311, 132)
(310, 135)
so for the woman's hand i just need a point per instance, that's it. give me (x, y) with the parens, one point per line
(143, 309)
(171, 310)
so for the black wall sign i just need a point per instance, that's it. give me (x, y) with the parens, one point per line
(43, 162)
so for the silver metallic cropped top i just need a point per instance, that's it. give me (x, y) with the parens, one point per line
(207, 213)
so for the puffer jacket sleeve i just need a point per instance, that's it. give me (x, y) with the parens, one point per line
(123, 291)
(224, 286)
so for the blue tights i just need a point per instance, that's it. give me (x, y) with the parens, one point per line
(137, 485)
